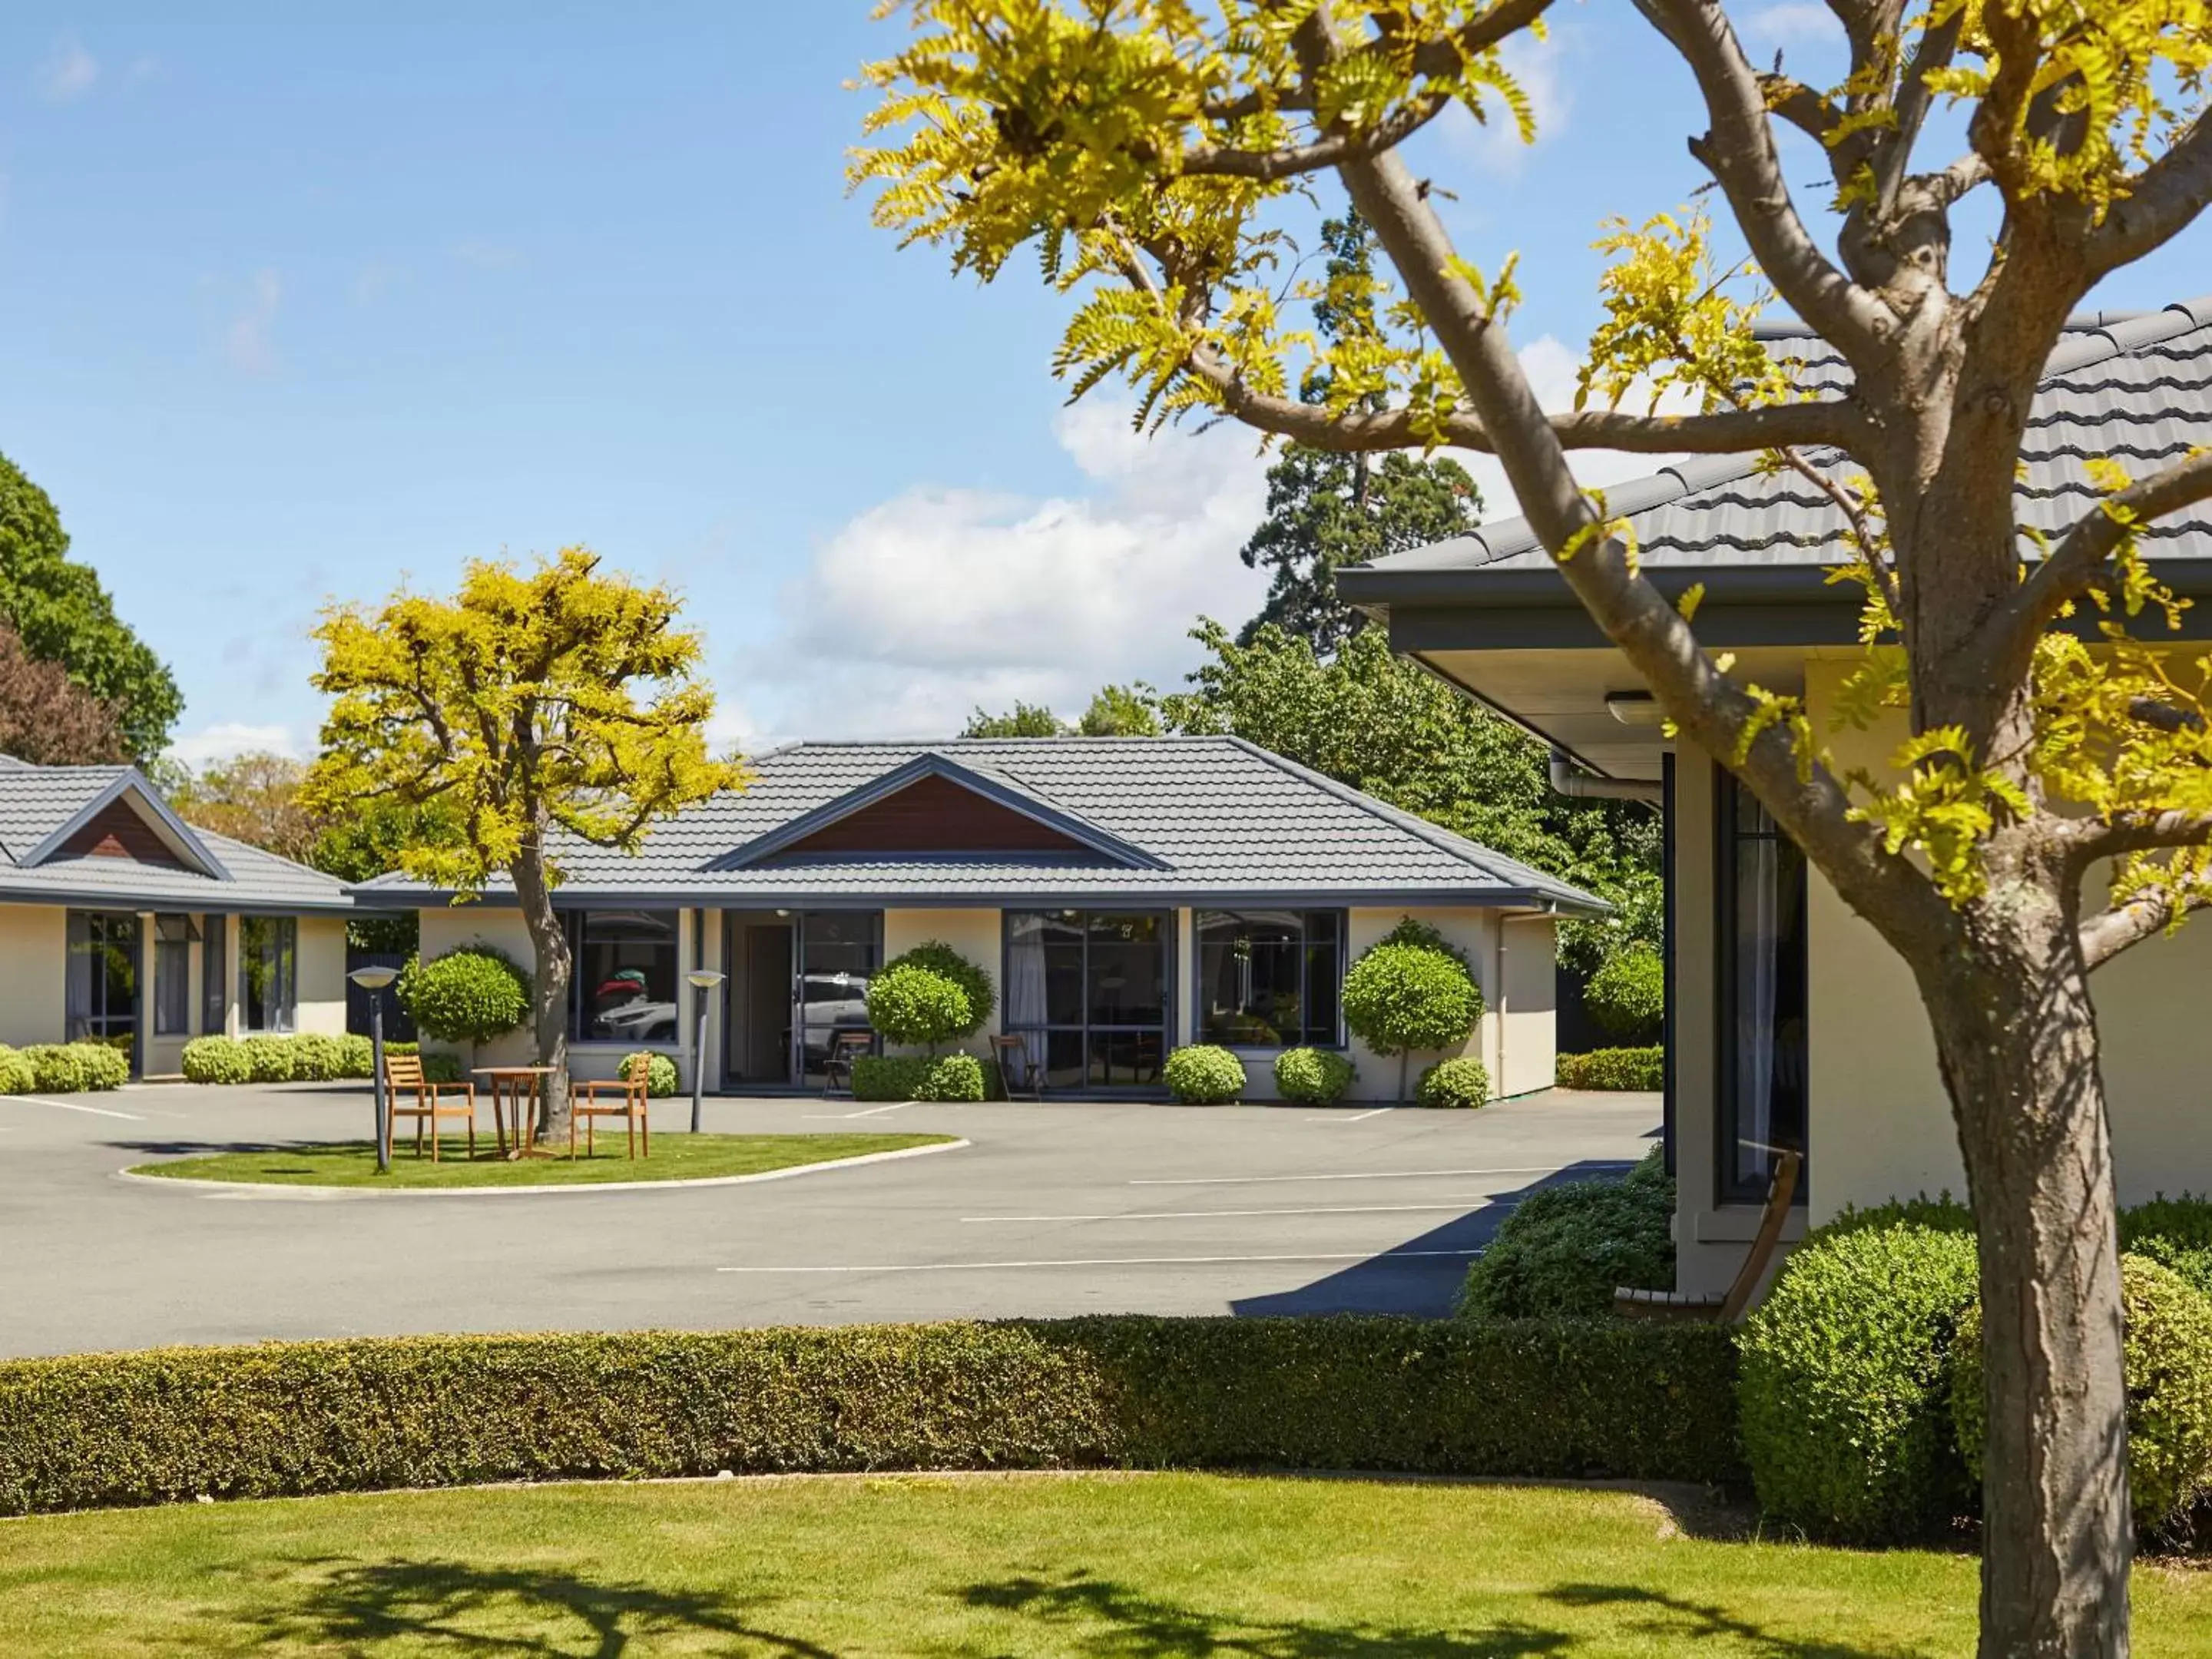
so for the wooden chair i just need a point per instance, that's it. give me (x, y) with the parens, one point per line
(1728, 1307)
(624, 1097)
(402, 1075)
(845, 1048)
(1017, 1073)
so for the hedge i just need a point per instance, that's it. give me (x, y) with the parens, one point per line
(1611, 1068)
(1464, 1082)
(917, 1076)
(1567, 1398)
(17, 1075)
(65, 1068)
(308, 1057)
(1565, 1249)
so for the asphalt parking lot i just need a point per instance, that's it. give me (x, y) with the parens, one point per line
(1053, 1209)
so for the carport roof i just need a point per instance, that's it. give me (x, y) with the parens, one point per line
(1164, 821)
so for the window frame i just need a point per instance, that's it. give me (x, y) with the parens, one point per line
(1728, 838)
(574, 924)
(1200, 980)
(173, 938)
(1088, 1027)
(105, 1025)
(287, 975)
(215, 975)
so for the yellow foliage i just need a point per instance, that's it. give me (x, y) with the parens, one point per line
(517, 704)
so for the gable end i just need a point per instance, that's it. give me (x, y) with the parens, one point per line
(116, 831)
(933, 814)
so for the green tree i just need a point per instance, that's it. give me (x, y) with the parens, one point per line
(1164, 156)
(65, 616)
(1026, 719)
(254, 797)
(1377, 723)
(537, 706)
(46, 718)
(1121, 711)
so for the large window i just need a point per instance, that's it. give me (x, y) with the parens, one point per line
(1088, 991)
(172, 975)
(1763, 980)
(838, 951)
(622, 987)
(1268, 979)
(102, 993)
(268, 967)
(215, 1004)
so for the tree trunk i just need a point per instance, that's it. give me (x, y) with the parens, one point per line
(549, 985)
(2017, 1038)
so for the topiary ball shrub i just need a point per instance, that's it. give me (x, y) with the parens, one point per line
(1202, 1074)
(1565, 1249)
(218, 1059)
(272, 1058)
(939, 957)
(1404, 999)
(471, 994)
(1462, 1082)
(659, 1073)
(2166, 1334)
(317, 1059)
(1611, 1068)
(356, 1056)
(1844, 1390)
(918, 1007)
(1627, 995)
(1317, 1077)
(17, 1076)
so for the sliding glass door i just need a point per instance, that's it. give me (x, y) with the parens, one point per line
(1088, 992)
(101, 996)
(837, 953)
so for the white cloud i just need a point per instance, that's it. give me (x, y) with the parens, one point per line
(1494, 144)
(228, 738)
(1795, 22)
(924, 607)
(68, 73)
(246, 342)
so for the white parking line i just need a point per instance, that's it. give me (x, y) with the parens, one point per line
(1197, 1215)
(1107, 1261)
(878, 1111)
(1356, 1117)
(1355, 1174)
(71, 1106)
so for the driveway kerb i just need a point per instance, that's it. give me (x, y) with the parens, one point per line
(286, 1189)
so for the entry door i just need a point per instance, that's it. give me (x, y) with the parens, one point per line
(102, 991)
(837, 953)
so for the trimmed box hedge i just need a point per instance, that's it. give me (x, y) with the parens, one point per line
(1611, 1068)
(1566, 1398)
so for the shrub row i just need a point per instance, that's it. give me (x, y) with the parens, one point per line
(1566, 1249)
(307, 1058)
(1529, 1399)
(918, 1077)
(1611, 1068)
(1860, 1397)
(62, 1068)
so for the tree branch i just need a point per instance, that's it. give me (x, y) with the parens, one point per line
(1222, 161)
(2105, 935)
(1739, 151)
(1724, 432)
(2172, 191)
(2010, 634)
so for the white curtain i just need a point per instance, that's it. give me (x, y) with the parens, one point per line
(1757, 955)
(1026, 975)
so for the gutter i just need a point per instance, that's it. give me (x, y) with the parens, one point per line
(1569, 780)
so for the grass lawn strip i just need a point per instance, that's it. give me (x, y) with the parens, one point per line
(935, 1564)
(676, 1156)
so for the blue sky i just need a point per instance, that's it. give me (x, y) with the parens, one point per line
(296, 300)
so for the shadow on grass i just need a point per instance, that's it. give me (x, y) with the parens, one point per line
(455, 1608)
(1100, 1617)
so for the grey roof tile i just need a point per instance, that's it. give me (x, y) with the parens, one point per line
(1224, 819)
(2137, 388)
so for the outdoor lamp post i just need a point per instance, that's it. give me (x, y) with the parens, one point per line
(703, 980)
(374, 982)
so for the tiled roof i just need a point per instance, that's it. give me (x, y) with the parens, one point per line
(1222, 820)
(2136, 388)
(36, 802)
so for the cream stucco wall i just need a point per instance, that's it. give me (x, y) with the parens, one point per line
(33, 969)
(321, 966)
(1880, 1125)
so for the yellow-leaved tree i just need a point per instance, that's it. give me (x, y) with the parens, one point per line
(532, 707)
(1159, 155)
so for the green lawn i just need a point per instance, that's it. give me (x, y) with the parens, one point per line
(1217, 1566)
(676, 1156)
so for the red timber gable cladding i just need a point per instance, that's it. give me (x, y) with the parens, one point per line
(116, 831)
(934, 815)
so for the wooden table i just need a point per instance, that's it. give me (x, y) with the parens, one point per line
(518, 1087)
